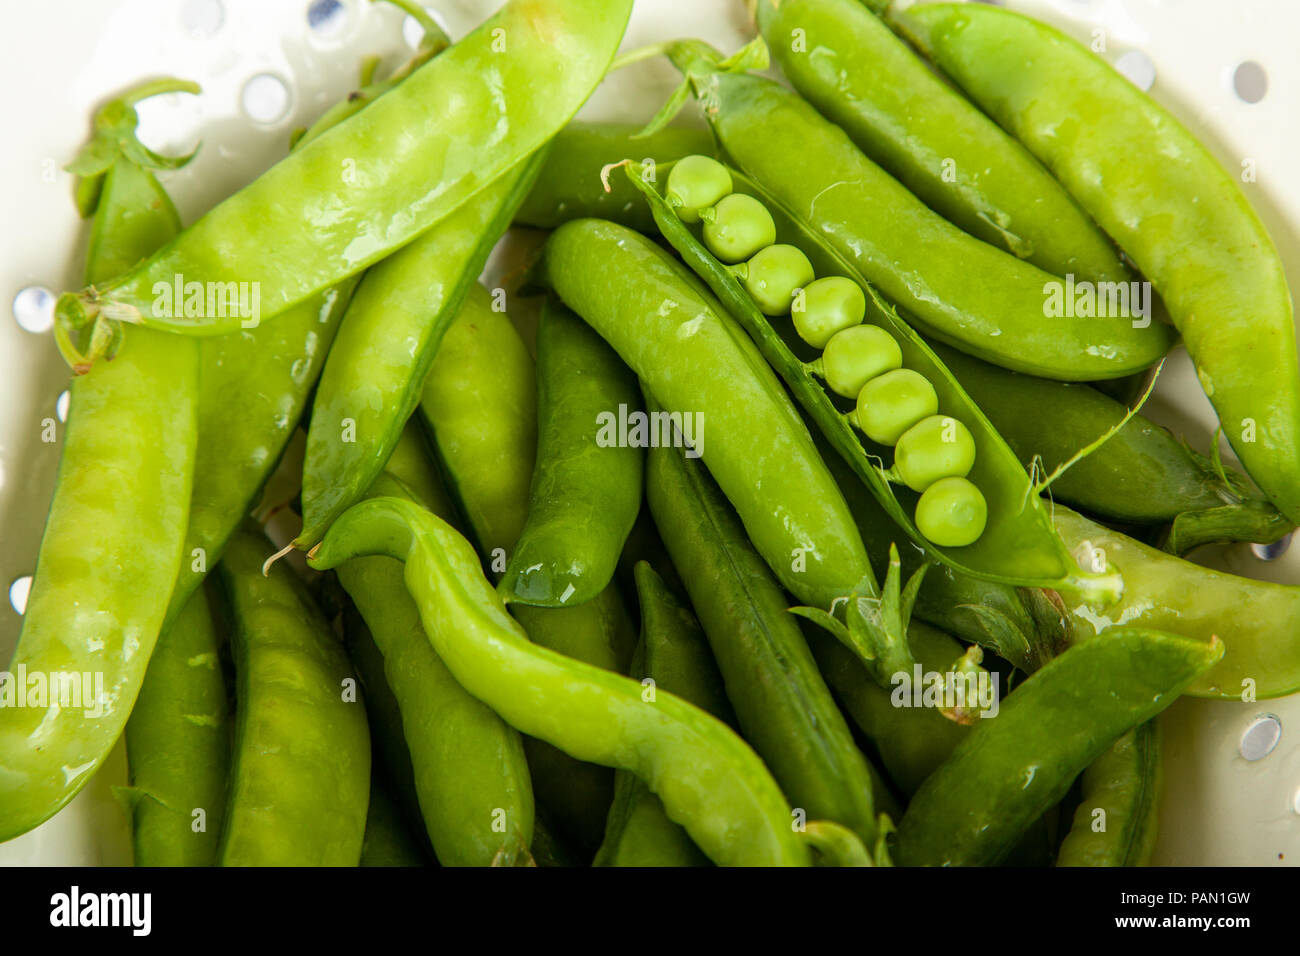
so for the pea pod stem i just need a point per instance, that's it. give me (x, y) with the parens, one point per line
(709, 779)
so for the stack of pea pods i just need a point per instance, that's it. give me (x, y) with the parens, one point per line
(788, 525)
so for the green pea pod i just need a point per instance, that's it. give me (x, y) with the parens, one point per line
(586, 487)
(708, 779)
(470, 774)
(782, 704)
(911, 741)
(178, 745)
(569, 185)
(1115, 823)
(958, 289)
(1163, 197)
(1141, 474)
(673, 655)
(863, 78)
(1018, 545)
(300, 778)
(1167, 593)
(380, 178)
(392, 328)
(479, 403)
(387, 841)
(1013, 767)
(695, 361)
(112, 542)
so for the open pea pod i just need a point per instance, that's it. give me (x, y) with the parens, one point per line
(1019, 545)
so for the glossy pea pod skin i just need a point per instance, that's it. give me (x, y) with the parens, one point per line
(112, 542)
(382, 177)
(1115, 823)
(782, 703)
(707, 777)
(178, 745)
(1013, 767)
(300, 779)
(393, 326)
(866, 80)
(675, 656)
(1141, 474)
(470, 774)
(586, 486)
(569, 184)
(1168, 204)
(955, 287)
(480, 406)
(692, 357)
(1166, 593)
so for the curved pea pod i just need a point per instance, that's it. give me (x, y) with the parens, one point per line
(694, 360)
(1167, 593)
(1013, 767)
(479, 404)
(393, 326)
(1115, 823)
(955, 287)
(470, 774)
(586, 487)
(783, 706)
(300, 778)
(673, 655)
(961, 164)
(1018, 545)
(112, 542)
(380, 178)
(911, 741)
(708, 779)
(1161, 195)
(1141, 474)
(178, 745)
(569, 185)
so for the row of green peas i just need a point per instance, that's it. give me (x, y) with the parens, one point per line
(896, 406)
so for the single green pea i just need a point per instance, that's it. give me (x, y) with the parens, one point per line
(890, 404)
(737, 227)
(935, 447)
(855, 356)
(952, 513)
(696, 183)
(828, 305)
(774, 275)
